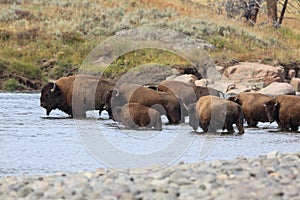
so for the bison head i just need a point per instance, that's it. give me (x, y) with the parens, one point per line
(113, 99)
(272, 108)
(50, 97)
(235, 99)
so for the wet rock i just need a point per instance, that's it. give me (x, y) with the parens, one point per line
(23, 192)
(271, 176)
(293, 191)
(186, 78)
(246, 73)
(277, 88)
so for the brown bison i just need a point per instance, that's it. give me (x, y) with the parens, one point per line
(75, 95)
(286, 110)
(164, 102)
(212, 113)
(252, 104)
(189, 93)
(135, 115)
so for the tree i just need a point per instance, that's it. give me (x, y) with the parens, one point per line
(249, 9)
(283, 11)
(272, 12)
(253, 8)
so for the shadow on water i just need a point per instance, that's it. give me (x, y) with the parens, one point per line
(52, 118)
(33, 143)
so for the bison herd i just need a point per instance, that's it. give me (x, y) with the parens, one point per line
(139, 106)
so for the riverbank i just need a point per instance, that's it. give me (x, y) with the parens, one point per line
(39, 42)
(271, 176)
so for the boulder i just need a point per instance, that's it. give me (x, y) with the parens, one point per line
(295, 82)
(246, 73)
(186, 78)
(233, 89)
(276, 88)
(291, 74)
(204, 82)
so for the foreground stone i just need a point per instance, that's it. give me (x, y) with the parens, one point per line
(272, 176)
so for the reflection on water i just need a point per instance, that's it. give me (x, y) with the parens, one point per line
(32, 143)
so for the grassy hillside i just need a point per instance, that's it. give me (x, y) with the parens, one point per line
(42, 40)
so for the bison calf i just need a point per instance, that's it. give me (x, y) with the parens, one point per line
(135, 115)
(285, 109)
(212, 113)
(164, 102)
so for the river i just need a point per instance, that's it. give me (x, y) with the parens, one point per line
(32, 143)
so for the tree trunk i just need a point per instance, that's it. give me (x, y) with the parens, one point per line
(272, 11)
(253, 10)
(282, 12)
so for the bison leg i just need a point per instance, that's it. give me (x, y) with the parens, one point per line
(79, 113)
(204, 127)
(229, 128)
(240, 127)
(251, 123)
(294, 127)
(285, 124)
(239, 124)
(110, 115)
(158, 124)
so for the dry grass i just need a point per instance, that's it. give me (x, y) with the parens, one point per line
(35, 32)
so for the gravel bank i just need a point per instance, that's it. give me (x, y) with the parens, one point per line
(272, 176)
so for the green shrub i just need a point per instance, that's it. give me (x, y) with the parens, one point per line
(26, 69)
(219, 42)
(3, 66)
(11, 85)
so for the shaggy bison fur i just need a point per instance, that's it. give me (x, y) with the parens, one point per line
(75, 95)
(286, 110)
(212, 113)
(252, 104)
(135, 115)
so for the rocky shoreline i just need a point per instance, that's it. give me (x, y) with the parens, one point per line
(271, 176)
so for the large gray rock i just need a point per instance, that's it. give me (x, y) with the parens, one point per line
(248, 74)
(186, 78)
(278, 89)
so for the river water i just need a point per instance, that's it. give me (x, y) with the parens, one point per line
(32, 143)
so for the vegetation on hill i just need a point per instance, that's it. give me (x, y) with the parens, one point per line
(44, 40)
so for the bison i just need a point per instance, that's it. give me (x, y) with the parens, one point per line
(212, 113)
(189, 93)
(286, 110)
(252, 104)
(164, 102)
(75, 95)
(135, 115)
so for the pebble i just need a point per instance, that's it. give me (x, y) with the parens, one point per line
(270, 176)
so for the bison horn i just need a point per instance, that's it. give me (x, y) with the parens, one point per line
(53, 89)
(276, 104)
